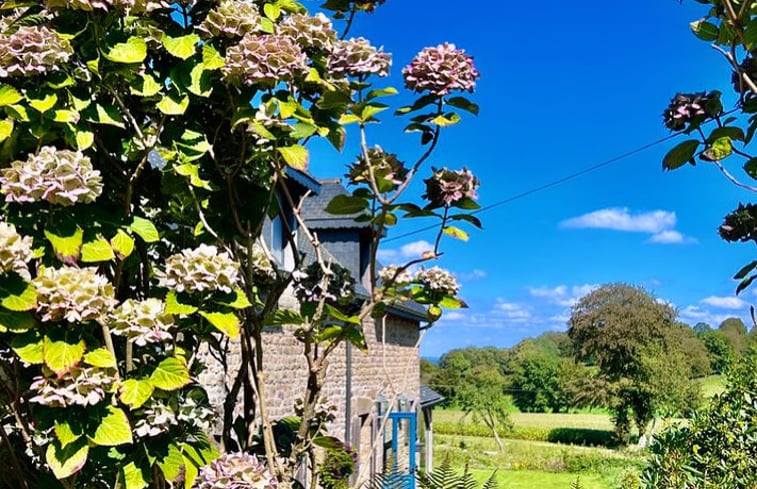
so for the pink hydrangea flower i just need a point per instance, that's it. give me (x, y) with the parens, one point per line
(440, 70)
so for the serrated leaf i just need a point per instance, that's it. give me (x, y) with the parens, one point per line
(9, 95)
(134, 50)
(296, 156)
(172, 104)
(445, 120)
(172, 464)
(302, 130)
(97, 251)
(103, 114)
(65, 434)
(225, 322)
(171, 374)
(100, 357)
(144, 229)
(200, 83)
(44, 103)
(720, 149)
(16, 322)
(61, 356)
(145, 86)
(173, 306)
(211, 60)
(66, 116)
(680, 154)
(452, 303)
(84, 139)
(272, 11)
(456, 233)
(28, 347)
(114, 429)
(135, 477)
(122, 244)
(65, 462)
(182, 47)
(67, 247)
(192, 171)
(239, 300)
(16, 294)
(135, 392)
(6, 129)
(18, 112)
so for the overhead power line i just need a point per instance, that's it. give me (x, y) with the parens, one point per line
(557, 182)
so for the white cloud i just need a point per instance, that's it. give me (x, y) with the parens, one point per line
(621, 219)
(408, 251)
(725, 302)
(671, 236)
(696, 314)
(512, 312)
(659, 223)
(475, 274)
(562, 295)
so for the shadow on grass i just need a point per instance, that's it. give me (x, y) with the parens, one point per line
(582, 436)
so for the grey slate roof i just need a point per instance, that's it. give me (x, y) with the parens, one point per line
(429, 397)
(314, 208)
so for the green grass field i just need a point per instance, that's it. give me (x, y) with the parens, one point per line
(711, 385)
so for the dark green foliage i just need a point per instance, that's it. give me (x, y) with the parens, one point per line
(338, 465)
(719, 350)
(718, 449)
(481, 395)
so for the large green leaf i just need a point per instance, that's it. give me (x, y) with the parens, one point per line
(9, 95)
(65, 462)
(145, 86)
(173, 306)
(144, 229)
(60, 356)
(16, 322)
(172, 463)
(173, 104)
(182, 47)
(113, 430)
(135, 477)
(100, 357)
(456, 233)
(28, 347)
(122, 244)
(66, 246)
(97, 251)
(346, 205)
(43, 102)
(65, 434)
(134, 50)
(704, 30)
(6, 129)
(16, 294)
(103, 114)
(680, 155)
(284, 317)
(226, 322)
(135, 392)
(171, 374)
(296, 156)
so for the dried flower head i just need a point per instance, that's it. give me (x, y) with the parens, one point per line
(82, 386)
(691, 108)
(741, 224)
(142, 321)
(200, 270)
(231, 18)
(440, 70)
(32, 50)
(236, 471)
(447, 187)
(264, 60)
(438, 281)
(357, 58)
(309, 32)
(388, 171)
(313, 285)
(73, 294)
(60, 177)
(15, 251)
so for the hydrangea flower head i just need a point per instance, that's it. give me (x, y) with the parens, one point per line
(388, 171)
(200, 270)
(264, 60)
(231, 18)
(437, 280)
(73, 294)
(309, 32)
(310, 285)
(687, 108)
(358, 58)
(15, 251)
(236, 471)
(142, 321)
(440, 70)
(32, 50)
(448, 187)
(82, 386)
(58, 176)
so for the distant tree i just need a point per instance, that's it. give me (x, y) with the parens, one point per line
(691, 343)
(701, 328)
(628, 333)
(482, 396)
(719, 350)
(535, 384)
(429, 371)
(735, 332)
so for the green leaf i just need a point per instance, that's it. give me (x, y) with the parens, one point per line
(200, 83)
(144, 229)
(456, 233)
(733, 132)
(43, 104)
(66, 247)
(272, 11)
(464, 104)
(6, 129)
(182, 47)
(302, 130)
(135, 477)
(28, 347)
(18, 112)
(346, 205)
(191, 471)
(284, 317)
(134, 50)
(145, 86)
(61, 356)
(226, 322)
(97, 251)
(328, 442)
(100, 357)
(103, 114)
(135, 392)
(65, 462)
(720, 149)
(211, 60)
(173, 306)
(9, 95)
(445, 120)
(704, 30)
(172, 464)
(238, 301)
(84, 139)
(16, 294)
(122, 244)
(680, 155)
(745, 270)
(66, 116)
(171, 104)
(750, 35)
(296, 156)
(381, 92)
(65, 434)
(171, 374)
(16, 322)
(192, 171)
(452, 303)
(113, 430)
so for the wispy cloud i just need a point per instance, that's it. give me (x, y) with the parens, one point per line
(659, 223)
(696, 314)
(474, 274)
(728, 302)
(562, 295)
(414, 249)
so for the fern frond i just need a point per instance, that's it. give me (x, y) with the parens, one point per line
(577, 484)
(491, 482)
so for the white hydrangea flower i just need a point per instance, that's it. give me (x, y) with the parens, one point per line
(236, 471)
(142, 321)
(390, 273)
(200, 270)
(80, 387)
(438, 280)
(73, 294)
(15, 251)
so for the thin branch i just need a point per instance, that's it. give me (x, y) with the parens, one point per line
(733, 179)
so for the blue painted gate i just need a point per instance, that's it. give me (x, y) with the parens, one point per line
(404, 471)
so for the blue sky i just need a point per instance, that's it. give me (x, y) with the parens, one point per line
(563, 87)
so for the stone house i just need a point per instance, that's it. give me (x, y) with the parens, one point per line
(358, 384)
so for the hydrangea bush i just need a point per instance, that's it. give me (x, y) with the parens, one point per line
(143, 146)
